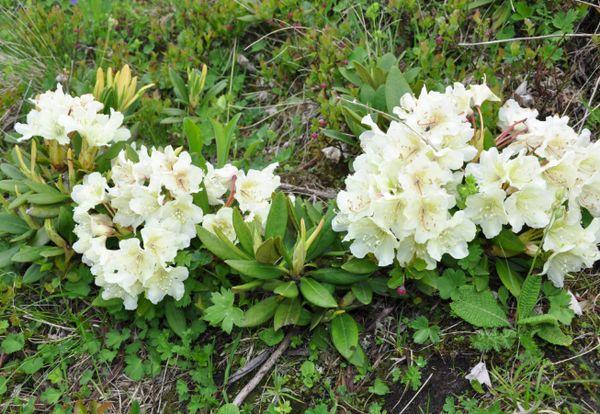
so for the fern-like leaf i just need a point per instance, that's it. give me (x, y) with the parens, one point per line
(479, 308)
(554, 335)
(530, 290)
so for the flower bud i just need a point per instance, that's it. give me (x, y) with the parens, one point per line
(101, 225)
(401, 291)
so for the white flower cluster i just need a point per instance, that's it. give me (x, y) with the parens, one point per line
(150, 199)
(251, 190)
(397, 203)
(57, 114)
(543, 166)
(400, 203)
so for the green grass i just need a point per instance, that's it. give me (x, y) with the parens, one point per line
(281, 63)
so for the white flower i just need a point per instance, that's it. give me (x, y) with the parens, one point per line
(97, 129)
(486, 209)
(183, 177)
(163, 244)
(481, 93)
(589, 197)
(255, 187)
(218, 181)
(427, 214)
(511, 114)
(453, 239)
(91, 192)
(368, 237)
(480, 374)
(166, 281)
(491, 170)
(46, 119)
(223, 221)
(532, 205)
(522, 170)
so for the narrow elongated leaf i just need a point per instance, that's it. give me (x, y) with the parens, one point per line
(511, 280)
(178, 86)
(47, 198)
(539, 320)
(529, 296)
(276, 224)
(259, 313)
(344, 334)
(316, 293)
(193, 135)
(336, 276)
(28, 254)
(12, 224)
(267, 252)
(360, 266)
(12, 186)
(479, 308)
(287, 313)
(175, 318)
(215, 245)
(242, 231)
(256, 270)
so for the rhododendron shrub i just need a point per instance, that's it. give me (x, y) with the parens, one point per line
(430, 193)
(129, 232)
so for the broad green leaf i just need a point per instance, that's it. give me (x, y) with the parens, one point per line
(315, 293)
(287, 289)
(530, 290)
(277, 219)
(229, 409)
(509, 243)
(267, 252)
(242, 231)
(337, 276)
(344, 334)
(256, 270)
(287, 313)
(395, 87)
(175, 318)
(28, 254)
(363, 292)
(12, 224)
(5, 256)
(360, 266)
(32, 365)
(216, 246)
(13, 342)
(11, 171)
(13, 186)
(259, 313)
(33, 274)
(223, 312)
(509, 277)
(554, 335)
(479, 308)
(178, 85)
(450, 281)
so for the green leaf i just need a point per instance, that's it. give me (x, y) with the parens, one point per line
(33, 274)
(277, 219)
(134, 368)
(32, 365)
(450, 281)
(223, 312)
(424, 332)
(530, 290)
(287, 289)
(178, 86)
(287, 313)
(256, 270)
(395, 87)
(3, 387)
(242, 231)
(316, 293)
(336, 276)
(379, 387)
(175, 318)
(270, 336)
(12, 224)
(360, 266)
(216, 246)
(259, 313)
(47, 198)
(509, 277)
(13, 342)
(229, 409)
(539, 320)
(267, 252)
(554, 335)
(363, 292)
(508, 242)
(479, 308)
(344, 334)
(28, 254)
(194, 137)
(5, 256)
